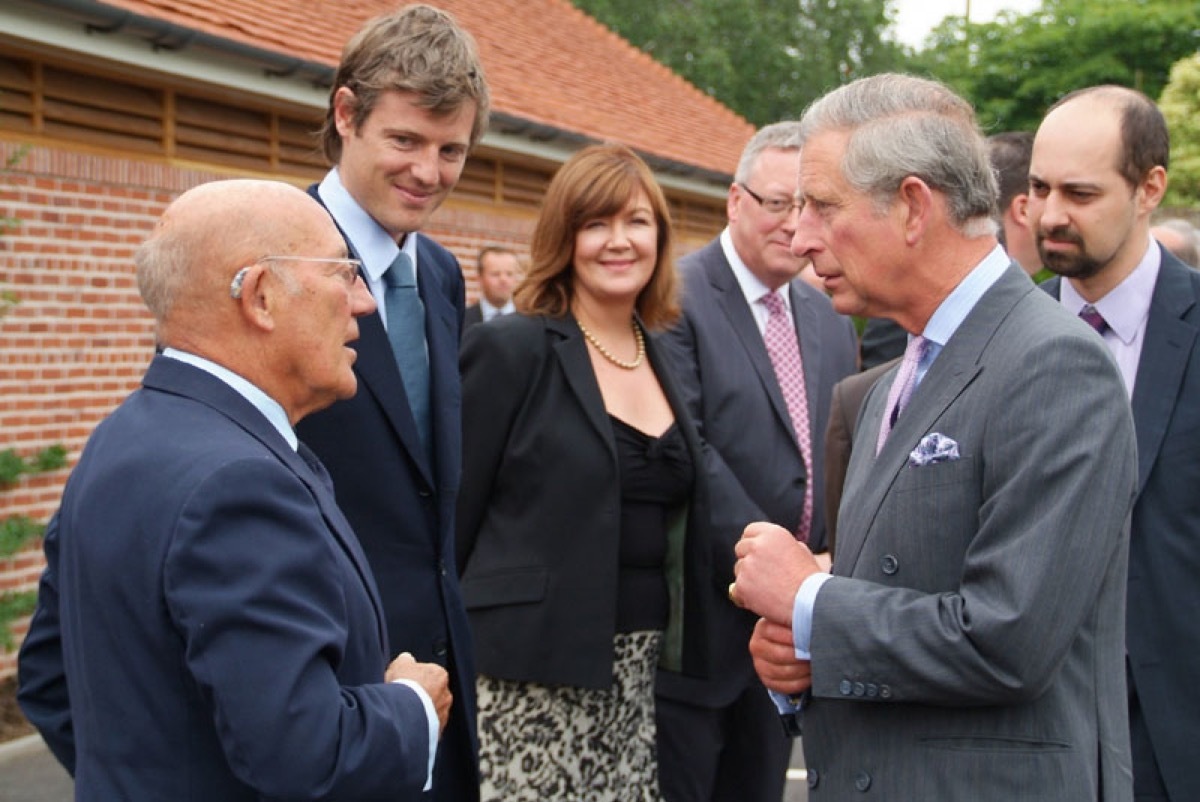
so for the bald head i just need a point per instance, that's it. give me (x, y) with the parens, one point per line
(211, 231)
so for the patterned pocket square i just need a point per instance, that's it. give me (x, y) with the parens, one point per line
(932, 449)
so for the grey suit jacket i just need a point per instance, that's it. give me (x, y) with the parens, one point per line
(971, 642)
(1163, 636)
(729, 386)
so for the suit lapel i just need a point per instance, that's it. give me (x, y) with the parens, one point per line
(173, 376)
(573, 357)
(732, 302)
(869, 478)
(442, 336)
(1168, 341)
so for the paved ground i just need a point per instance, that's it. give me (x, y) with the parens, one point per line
(28, 773)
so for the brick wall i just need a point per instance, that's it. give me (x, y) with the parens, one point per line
(80, 338)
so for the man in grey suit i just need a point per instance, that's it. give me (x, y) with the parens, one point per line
(970, 641)
(1091, 201)
(720, 739)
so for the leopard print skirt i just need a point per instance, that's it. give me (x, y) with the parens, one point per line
(542, 743)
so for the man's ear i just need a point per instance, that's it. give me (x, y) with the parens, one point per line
(345, 104)
(916, 201)
(1152, 189)
(254, 296)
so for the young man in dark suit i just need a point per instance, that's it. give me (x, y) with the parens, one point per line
(499, 274)
(720, 739)
(408, 103)
(1098, 172)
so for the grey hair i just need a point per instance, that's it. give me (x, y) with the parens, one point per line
(781, 136)
(1190, 252)
(162, 266)
(902, 126)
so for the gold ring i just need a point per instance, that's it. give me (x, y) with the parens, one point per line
(732, 591)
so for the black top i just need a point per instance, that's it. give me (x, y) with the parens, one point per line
(656, 479)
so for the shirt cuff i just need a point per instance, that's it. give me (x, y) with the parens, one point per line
(431, 719)
(802, 614)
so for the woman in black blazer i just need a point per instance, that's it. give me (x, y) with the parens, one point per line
(580, 569)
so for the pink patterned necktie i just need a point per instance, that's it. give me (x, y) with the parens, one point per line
(902, 388)
(784, 350)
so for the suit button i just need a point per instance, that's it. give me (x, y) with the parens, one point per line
(885, 692)
(860, 689)
(872, 690)
(889, 564)
(845, 687)
(862, 781)
(439, 648)
(424, 492)
(441, 566)
(813, 778)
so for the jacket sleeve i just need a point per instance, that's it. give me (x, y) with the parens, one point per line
(42, 680)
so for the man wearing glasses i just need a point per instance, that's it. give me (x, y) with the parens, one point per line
(758, 352)
(207, 626)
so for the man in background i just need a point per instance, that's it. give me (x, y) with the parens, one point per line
(499, 274)
(758, 351)
(1099, 171)
(1009, 153)
(206, 626)
(1180, 238)
(408, 102)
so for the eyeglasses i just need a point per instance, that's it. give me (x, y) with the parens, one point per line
(775, 206)
(346, 270)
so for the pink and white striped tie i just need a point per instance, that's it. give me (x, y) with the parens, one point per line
(784, 350)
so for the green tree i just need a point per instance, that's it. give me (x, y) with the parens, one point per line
(1016, 66)
(765, 59)
(1180, 104)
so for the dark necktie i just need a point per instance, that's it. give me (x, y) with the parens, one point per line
(1093, 318)
(784, 350)
(902, 388)
(406, 333)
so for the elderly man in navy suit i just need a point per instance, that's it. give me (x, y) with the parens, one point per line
(969, 643)
(207, 627)
(408, 102)
(1098, 172)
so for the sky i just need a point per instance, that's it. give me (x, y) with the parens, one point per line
(916, 18)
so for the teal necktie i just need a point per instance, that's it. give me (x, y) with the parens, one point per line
(406, 333)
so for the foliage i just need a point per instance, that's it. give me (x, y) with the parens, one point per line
(763, 58)
(1016, 66)
(12, 464)
(1180, 104)
(14, 605)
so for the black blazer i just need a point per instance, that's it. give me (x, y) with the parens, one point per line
(473, 315)
(402, 507)
(1164, 542)
(539, 511)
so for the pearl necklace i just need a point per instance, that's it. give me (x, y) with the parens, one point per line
(604, 352)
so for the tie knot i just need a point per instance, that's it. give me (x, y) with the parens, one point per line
(400, 272)
(773, 303)
(1093, 318)
(915, 350)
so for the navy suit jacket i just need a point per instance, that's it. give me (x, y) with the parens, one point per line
(1162, 632)
(207, 627)
(402, 507)
(727, 381)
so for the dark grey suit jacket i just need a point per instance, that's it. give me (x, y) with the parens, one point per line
(729, 385)
(971, 643)
(1163, 632)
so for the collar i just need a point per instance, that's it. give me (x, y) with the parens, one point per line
(374, 246)
(271, 409)
(1126, 306)
(952, 311)
(751, 286)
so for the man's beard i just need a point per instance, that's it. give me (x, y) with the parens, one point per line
(1079, 265)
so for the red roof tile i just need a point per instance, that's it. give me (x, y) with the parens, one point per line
(546, 61)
